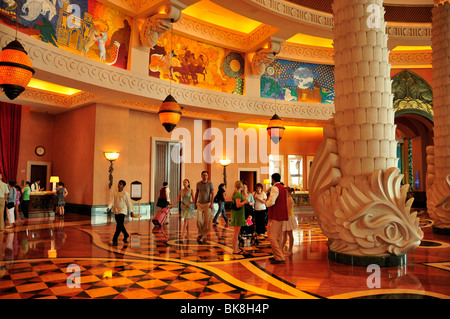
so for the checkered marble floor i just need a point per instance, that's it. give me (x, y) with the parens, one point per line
(161, 265)
(112, 279)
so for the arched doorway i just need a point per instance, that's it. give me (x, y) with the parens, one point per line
(413, 104)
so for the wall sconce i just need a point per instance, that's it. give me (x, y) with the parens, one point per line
(54, 180)
(111, 157)
(266, 182)
(224, 162)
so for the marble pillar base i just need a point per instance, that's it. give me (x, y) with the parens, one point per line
(364, 261)
(441, 230)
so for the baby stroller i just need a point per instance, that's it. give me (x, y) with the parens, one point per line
(247, 234)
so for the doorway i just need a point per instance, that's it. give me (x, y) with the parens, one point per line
(41, 170)
(166, 169)
(250, 177)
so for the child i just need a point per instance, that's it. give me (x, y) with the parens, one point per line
(291, 224)
(249, 220)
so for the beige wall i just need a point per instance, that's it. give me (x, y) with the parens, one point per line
(77, 139)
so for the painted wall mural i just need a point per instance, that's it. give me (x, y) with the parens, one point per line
(198, 64)
(84, 27)
(412, 92)
(297, 81)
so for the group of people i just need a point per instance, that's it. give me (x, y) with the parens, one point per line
(14, 199)
(280, 220)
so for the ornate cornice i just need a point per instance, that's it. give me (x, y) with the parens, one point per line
(411, 58)
(117, 85)
(306, 53)
(296, 12)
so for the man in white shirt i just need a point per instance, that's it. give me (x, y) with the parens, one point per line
(4, 191)
(121, 203)
(278, 213)
(35, 187)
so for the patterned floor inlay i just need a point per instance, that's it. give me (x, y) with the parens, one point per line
(113, 279)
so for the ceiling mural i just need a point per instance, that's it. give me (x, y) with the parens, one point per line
(297, 81)
(84, 27)
(195, 63)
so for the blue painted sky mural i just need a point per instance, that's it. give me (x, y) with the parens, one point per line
(297, 81)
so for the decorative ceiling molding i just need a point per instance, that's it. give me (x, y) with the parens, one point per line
(306, 53)
(37, 96)
(296, 12)
(186, 113)
(411, 58)
(116, 84)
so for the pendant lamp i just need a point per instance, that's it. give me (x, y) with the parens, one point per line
(169, 113)
(275, 129)
(16, 69)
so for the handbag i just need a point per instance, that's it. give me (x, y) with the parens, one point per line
(10, 205)
(162, 202)
(233, 205)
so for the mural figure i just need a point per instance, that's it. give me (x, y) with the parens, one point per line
(195, 63)
(101, 45)
(11, 5)
(34, 8)
(48, 33)
(78, 26)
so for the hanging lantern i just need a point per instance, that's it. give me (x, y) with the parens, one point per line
(169, 113)
(275, 129)
(16, 69)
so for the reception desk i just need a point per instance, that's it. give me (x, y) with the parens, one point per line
(42, 201)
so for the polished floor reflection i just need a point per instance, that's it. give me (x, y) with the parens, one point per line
(72, 258)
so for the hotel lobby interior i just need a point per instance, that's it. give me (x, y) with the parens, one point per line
(348, 100)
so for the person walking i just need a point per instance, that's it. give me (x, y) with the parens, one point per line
(220, 199)
(203, 201)
(278, 212)
(4, 191)
(164, 196)
(237, 215)
(121, 203)
(186, 198)
(26, 200)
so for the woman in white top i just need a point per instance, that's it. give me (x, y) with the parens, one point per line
(260, 209)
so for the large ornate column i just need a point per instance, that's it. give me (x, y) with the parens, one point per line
(355, 188)
(438, 159)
